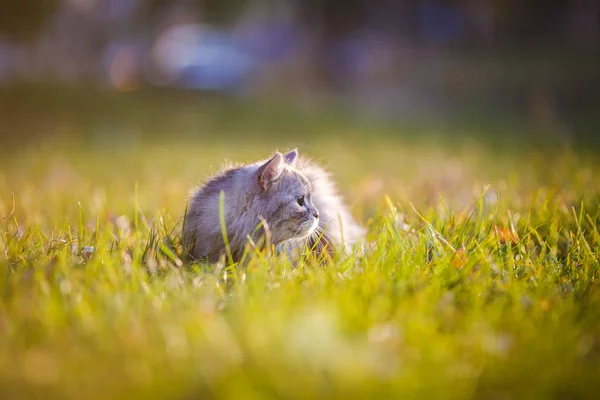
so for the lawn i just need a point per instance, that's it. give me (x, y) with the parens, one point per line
(479, 279)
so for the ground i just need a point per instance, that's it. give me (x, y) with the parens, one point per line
(480, 277)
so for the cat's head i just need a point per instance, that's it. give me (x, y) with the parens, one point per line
(284, 198)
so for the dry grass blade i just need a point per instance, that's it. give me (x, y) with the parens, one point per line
(12, 211)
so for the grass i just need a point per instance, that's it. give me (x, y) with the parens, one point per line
(480, 279)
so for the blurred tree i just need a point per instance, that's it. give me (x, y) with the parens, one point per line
(21, 20)
(584, 23)
(213, 12)
(329, 22)
(219, 12)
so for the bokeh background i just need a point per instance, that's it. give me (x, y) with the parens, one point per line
(106, 68)
(463, 135)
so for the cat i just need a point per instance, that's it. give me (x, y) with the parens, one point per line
(293, 200)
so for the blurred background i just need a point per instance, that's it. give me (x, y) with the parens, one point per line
(480, 119)
(116, 68)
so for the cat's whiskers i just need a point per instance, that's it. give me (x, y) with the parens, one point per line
(293, 232)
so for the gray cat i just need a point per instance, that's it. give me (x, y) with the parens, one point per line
(294, 202)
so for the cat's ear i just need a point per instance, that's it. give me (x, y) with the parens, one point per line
(292, 156)
(270, 171)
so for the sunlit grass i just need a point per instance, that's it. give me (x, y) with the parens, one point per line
(479, 278)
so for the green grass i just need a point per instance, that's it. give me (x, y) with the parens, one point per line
(480, 279)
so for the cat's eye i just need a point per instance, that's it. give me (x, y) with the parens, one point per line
(300, 201)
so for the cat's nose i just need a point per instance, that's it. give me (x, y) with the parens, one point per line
(316, 214)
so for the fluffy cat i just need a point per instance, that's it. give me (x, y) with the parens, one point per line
(295, 199)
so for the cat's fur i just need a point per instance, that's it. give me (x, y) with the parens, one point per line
(296, 201)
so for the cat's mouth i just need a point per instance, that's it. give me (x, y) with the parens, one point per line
(306, 228)
(300, 231)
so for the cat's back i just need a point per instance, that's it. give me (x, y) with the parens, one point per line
(222, 181)
(202, 216)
